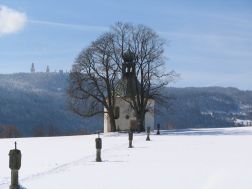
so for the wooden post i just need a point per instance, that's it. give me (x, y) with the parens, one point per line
(148, 134)
(130, 139)
(158, 129)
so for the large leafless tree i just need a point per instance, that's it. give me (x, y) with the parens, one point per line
(98, 67)
(92, 80)
(147, 50)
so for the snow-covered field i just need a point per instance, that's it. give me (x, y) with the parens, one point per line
(185, 159)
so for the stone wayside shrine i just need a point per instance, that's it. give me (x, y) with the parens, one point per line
(14, 165)
(125, 89)
(98, 145)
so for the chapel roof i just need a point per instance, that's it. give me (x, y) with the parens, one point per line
(127, 85)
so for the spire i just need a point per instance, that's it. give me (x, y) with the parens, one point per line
(47, 69)
(32, 68)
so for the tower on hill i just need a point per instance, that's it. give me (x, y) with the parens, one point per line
(32, 68)
(47, 69)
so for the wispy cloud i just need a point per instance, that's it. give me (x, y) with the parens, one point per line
(71, 26)
(11, 21)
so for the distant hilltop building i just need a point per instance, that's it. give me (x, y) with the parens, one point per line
(32, 68)
(47, 69)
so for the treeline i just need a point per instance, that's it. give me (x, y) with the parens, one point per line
(11, 131)
(36, 105)
(205, 107)
(35, 101)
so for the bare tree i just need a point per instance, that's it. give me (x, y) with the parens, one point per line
(92, 80)
(9, 131)
(146, 52)
(39, 131)
(52, 130)
(96, 71)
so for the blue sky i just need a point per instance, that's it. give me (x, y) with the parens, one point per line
(210, 42)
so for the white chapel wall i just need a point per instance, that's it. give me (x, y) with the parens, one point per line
(126, 116)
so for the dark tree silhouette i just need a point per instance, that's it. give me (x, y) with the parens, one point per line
(92, 80)
(9, 131)
(96, 71)
(146, 52)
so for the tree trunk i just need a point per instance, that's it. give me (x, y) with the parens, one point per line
(140, 123)
(112, 124)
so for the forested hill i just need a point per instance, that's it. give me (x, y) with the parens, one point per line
(207, 107)
(36, 104)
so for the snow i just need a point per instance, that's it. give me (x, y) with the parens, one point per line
(243, 122)
(177, 159)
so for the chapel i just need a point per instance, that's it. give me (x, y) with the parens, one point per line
(125, 88)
